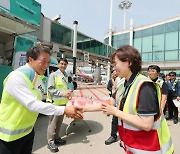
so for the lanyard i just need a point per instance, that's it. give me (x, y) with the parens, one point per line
(120, 91)
(123, 100)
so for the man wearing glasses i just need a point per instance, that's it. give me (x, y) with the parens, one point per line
(174, 94)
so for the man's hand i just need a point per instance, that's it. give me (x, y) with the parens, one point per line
(74, 112)
(67, 94)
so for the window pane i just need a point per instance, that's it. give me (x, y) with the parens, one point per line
(120, 44)
(172, 26)
(138, 34)
(158, 42)
(126, 42)
(79, 41)
(171, 42)
(158, 56)
(115, 38)
(106, 40)
(115, 44)
(147, 57)
(147, 32)
(178, 73)
(171, 55)
(126, 35)
(159, 29)
(179, 39)
(147, 44)
(121, 37)
(137, 44)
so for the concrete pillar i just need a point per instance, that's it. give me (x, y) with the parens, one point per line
(108, 71)
(74, 46)
(131, 33)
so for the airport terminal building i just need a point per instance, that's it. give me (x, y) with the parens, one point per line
(158, 43)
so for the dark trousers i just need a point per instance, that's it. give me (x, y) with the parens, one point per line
(19, 146)
(114, 127)
(172, 109)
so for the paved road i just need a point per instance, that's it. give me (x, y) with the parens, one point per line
(79, 139)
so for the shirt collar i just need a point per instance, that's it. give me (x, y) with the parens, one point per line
(131, 79)
(154, 80)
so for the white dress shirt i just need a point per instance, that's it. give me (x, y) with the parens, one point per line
(18, 88)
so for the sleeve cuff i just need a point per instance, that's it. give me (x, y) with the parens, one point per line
(60, 110)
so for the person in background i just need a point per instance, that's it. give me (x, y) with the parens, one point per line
(174, 93)
(59, 91)
(21, 103)
(139, 112)
(153, 73)
(116, 89)
(167, 78)
(111, 82)
(114, 123)
(162, 75)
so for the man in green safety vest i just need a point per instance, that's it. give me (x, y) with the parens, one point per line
(59, 92)
(21, 103)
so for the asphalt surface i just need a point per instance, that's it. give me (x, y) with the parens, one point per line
(79, 139)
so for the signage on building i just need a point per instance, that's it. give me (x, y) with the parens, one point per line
(22, 44)
(29, 11)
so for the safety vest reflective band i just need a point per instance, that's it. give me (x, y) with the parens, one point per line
(164, 150)
(16, 121)
(60, 82)
(157, 140)
(159, 82)
(14, 132)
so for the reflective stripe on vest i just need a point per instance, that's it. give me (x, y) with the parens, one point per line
(160, 82)
(138, 151)
(164, 150)
(60, 98)
(15, 132)
(159, 127)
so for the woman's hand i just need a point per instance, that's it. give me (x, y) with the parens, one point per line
(109, 109)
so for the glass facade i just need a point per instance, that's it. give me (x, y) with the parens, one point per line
(120, 40)
(156, 44)
(159, 43)
(64, 35)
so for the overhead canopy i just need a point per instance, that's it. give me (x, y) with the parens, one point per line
(12, 25)
(19, 16)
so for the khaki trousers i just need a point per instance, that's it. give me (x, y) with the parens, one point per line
(54, 126)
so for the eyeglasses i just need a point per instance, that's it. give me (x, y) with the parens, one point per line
(171, 75)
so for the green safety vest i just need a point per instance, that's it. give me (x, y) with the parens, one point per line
(16, 120)
(160, 82)
(60, 83)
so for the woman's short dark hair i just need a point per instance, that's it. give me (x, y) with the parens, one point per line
(130, 54)
(35, 51)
